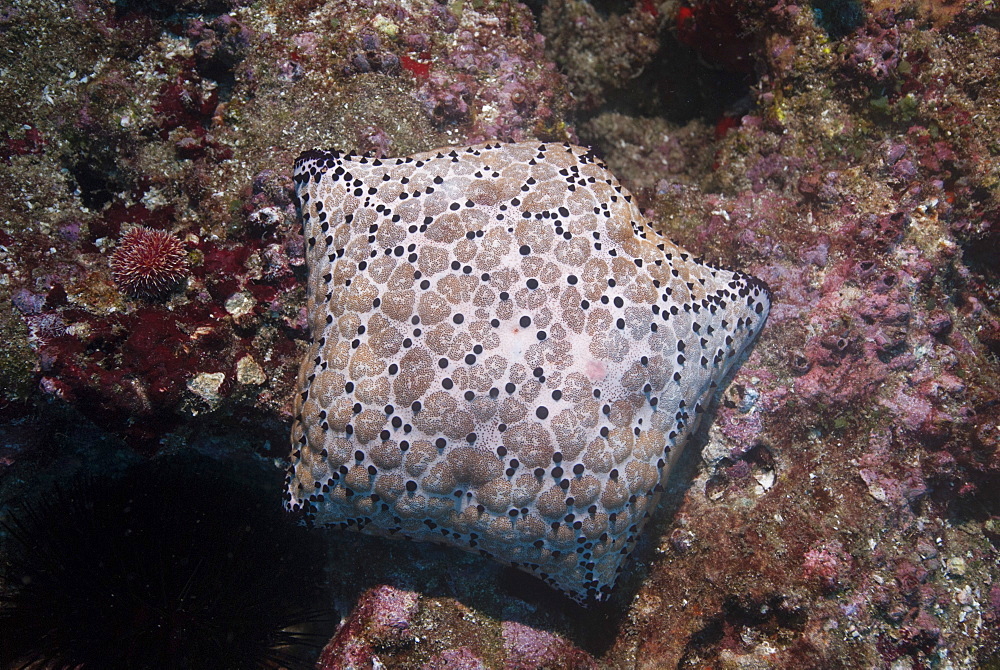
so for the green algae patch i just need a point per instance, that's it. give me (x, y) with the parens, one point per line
(17, 361)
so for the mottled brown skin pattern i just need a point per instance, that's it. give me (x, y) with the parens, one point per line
(504, 356)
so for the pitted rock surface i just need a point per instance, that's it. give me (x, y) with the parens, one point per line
(504, 356)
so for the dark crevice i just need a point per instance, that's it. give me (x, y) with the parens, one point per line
(98, 182)
(772, 619)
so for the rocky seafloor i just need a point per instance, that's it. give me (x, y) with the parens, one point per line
(842, 510)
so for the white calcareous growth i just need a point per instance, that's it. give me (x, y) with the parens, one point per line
(504, 356)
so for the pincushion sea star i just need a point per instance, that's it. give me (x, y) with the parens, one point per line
(504, 358)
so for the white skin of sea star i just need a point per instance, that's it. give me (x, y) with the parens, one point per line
(504, 356)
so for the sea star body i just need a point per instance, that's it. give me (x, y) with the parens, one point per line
(504, 356)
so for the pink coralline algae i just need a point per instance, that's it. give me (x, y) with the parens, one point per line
(455, 659)
(528, 648)
(477, 68)
(827, 564)
(380, 620)
(148, 262)
(875, 49)
(521, 91)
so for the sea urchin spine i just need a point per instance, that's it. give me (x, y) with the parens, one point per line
(148, 262)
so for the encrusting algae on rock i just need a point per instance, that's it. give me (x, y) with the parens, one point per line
(505, 357)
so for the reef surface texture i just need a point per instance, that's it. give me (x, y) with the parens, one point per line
(839, 508)
(504, 356)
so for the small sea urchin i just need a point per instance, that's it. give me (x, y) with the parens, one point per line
(148, 262)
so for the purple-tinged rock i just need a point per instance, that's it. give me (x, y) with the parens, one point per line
(528, 648)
